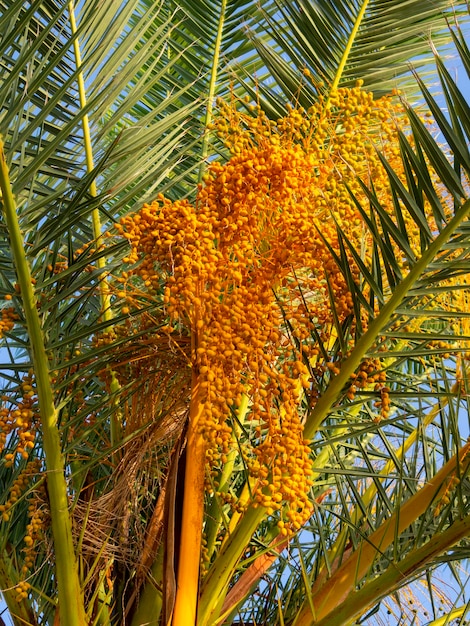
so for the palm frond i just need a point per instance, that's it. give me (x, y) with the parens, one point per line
(342, 42)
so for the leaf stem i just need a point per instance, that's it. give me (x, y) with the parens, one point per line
(349, 45)
(71, 606)
(221, 572)
(212, 87)
(105, 295)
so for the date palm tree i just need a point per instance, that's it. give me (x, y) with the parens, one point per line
(130, 494)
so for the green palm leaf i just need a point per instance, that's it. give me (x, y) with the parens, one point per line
(342, 42)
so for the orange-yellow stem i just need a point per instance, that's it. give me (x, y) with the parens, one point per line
(187, 590)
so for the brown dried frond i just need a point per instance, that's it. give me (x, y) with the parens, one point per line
(113, 525)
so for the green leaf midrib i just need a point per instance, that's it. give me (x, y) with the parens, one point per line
(349, 46)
